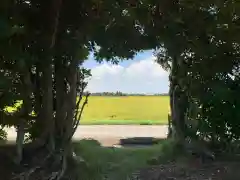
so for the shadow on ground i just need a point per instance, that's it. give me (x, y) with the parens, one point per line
(117, 163)
(140, 141)
(158, 159)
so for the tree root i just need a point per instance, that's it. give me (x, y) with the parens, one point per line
(52, 167)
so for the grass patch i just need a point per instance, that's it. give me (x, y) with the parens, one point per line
(118, 163)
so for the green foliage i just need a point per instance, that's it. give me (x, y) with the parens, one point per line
(200, 46)
(3, 135)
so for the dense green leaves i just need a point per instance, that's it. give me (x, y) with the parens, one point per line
(206, 44)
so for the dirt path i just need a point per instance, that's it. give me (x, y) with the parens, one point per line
(110, 134)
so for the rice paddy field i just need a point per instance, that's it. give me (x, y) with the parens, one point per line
(142, 110)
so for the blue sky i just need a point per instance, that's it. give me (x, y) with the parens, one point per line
(140, 75)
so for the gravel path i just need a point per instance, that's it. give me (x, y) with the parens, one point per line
(111, 134)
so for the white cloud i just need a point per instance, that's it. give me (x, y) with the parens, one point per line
(144, 76)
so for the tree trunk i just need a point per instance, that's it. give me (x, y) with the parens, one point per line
(52, 20)
(176, 102)
(39, 124)
(70, 107)
(20, 140)
(72, 96)
(60, 98)
(24, 113)
(47, 106)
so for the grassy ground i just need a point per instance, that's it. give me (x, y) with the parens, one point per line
(115, 163)
(163, 161)
(126, 110)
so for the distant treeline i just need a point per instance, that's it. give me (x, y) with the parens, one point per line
(118, 93)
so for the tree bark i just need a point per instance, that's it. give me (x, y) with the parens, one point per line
(52, 20)
(47, 107)
(176, 102)
(24, 114)
(20, 140)
(70, 108)
(72, 96)
(60, 97)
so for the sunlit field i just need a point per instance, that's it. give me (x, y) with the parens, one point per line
(142, 110)
(126, 110)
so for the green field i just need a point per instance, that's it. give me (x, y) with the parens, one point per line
(142, 110)
(126, 110)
